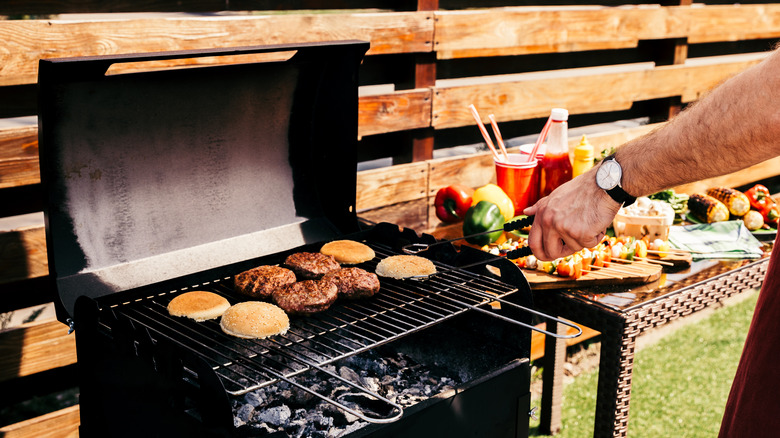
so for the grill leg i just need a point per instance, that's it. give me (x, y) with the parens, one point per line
(552, 380)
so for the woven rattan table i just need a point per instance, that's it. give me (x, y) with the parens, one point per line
(621, 314)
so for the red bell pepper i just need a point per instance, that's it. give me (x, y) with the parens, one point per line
(761, 200)
(759, 197)
(452, 202)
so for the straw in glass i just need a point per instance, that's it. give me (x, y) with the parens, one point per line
(485, 134)
(499, 139)
(541, 138)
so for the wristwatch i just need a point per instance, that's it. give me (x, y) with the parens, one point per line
(608, 177)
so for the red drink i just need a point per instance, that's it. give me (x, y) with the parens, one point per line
(556, 170)
(518, 179)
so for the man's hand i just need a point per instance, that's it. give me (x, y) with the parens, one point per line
(572, 217)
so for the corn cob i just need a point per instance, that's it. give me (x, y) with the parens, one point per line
(736, 201)
(707, 209)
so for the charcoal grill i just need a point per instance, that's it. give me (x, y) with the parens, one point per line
(174, 180)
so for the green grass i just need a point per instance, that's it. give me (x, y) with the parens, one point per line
(680, 384)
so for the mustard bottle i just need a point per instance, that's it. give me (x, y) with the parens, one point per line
(583, 157)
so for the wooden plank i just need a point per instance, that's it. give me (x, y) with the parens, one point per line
(587, 90)
(19, 157)
(26, 41)
(48, 7)
(390, 185)
(58, 424)
(732, 22)
(35, 347)
(473, 170)
(410, 214)
(23, 7)
(533, 29)
(397, 111)
(550, 29)
(23, 254)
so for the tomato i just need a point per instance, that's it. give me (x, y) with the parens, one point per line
(521, 262)
(565, 269)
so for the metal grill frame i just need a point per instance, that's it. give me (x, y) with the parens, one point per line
(402, 307)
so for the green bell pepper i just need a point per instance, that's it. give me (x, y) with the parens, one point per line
(481, 217)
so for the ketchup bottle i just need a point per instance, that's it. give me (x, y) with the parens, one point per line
(556, 166)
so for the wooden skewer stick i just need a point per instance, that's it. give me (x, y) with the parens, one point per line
(599, 271)
(645, 261)
(653, 261)
(673, 251)
(628, 271)
(624, 263)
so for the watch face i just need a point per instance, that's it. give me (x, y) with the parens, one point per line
(608, 175)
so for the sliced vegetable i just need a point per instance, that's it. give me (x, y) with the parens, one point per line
(565, 268)
(661, 246)
(452, 202)
(640, 249)
(548, 267)
(531, 262)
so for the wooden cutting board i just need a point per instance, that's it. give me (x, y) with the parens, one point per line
(636, 273)
(615, 274)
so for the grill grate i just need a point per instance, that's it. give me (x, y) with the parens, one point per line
(400, 308)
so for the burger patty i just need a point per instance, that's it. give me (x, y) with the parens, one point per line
(311, 265)
(259, 282)
(353, 283)
(306, 297)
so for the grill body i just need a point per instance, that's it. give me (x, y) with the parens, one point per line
(162, 182)
(132, 370)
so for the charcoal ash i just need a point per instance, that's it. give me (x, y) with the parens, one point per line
(285, 410)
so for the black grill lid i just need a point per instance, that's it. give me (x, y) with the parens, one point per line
(156, 175)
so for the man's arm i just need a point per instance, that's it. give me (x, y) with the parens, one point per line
(733, 127)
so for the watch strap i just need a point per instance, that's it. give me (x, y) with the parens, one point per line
(617, 193)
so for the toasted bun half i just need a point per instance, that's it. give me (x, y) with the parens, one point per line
(198, 305)
(405, 266)
(348, 252)
(254, 319)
